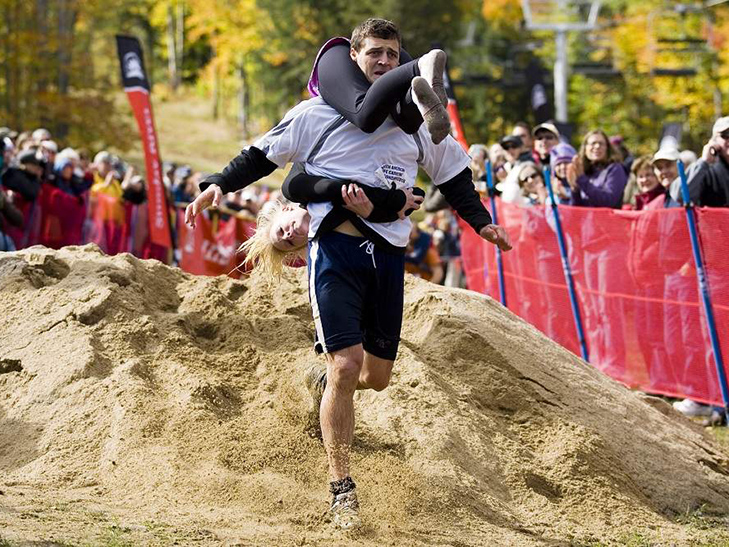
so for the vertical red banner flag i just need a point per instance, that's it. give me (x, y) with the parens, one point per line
(456, 127)
(136, 86)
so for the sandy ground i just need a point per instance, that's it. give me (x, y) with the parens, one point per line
(143, 406)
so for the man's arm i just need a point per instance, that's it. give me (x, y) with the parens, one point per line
(460, 193)
(697, 178)
(246, 168)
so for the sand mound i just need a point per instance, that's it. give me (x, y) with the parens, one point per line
(163, 397)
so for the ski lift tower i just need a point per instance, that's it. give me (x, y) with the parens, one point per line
(561, 17)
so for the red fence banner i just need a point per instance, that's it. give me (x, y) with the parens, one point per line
(61, 219)
(456, 126)
(636, 284)
(107, 224)
(211, 247)
(136, 86)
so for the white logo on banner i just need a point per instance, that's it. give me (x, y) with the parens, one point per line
(539, 96)
(133, 66)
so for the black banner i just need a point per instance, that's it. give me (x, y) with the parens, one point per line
(136, 86)
(538, 97)
(131, 60)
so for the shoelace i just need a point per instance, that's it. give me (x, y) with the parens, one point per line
(370, 250)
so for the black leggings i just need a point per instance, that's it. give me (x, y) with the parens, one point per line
(345, 88)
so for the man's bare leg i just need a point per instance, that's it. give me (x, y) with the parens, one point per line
(337, 407)
(375, 373)
(337, 426)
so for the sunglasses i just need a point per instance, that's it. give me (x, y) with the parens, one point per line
(724, 135)
(545, 137)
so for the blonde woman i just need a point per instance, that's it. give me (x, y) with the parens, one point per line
(282, 228)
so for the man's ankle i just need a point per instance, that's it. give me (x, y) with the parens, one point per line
(342, 486)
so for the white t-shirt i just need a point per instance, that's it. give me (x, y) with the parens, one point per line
(314, 133)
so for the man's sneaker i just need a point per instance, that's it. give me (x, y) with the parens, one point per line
(432, 66)
(690, 408)
(315, 381)
(716, 419)
(345, 511)
(433, 112)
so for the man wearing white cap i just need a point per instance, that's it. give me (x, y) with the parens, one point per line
(546, 137)
(709, 176)
(665, 167)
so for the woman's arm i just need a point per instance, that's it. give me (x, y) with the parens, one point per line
(605, 190)
(301, 187)
(343, 85)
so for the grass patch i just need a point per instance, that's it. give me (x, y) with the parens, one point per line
(721, 436)
(115, 537)
(188, 134)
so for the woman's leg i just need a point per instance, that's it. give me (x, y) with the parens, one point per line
(344, 86)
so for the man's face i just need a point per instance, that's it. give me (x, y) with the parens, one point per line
(376, 57)
(289, 230)
(525, 136)
(33, 169)
(666, 171)
(544, 141)
(512, 150)
(721, 144)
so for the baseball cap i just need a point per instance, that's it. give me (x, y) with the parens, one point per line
(548, 126)
(670, 154)
(511, 141)
(7, 132)
(50, 145)
(183, 172)
(102, 157)
(721, 125)
(41, 134)
(29, 157)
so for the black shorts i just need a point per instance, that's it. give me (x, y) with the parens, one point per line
(356, 294)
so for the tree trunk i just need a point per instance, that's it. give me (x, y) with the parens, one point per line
(66, 22)
(243, 101)
(180, 42)
(171, 49)
(216, 88)
(17, 110)
(7, 56)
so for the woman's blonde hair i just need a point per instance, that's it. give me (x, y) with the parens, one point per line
(259, 249)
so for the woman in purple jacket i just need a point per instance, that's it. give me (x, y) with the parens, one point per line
(597, 179)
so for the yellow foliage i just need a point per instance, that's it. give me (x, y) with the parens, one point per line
(502, 14)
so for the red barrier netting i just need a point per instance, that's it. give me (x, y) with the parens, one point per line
(636, 286)
(211, 248)
(57, 219)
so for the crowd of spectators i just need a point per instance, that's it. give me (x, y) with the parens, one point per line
(33, 160)
(600, 173)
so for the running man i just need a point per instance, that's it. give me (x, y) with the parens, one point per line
(356, 267)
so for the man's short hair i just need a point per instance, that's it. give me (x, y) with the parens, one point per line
(375, 28)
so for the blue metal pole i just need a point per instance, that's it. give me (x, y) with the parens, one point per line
(566, 268)
(704, 287)
(495, 218)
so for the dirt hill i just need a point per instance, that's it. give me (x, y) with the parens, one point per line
(140, 405)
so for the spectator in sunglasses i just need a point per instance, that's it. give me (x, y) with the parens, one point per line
(515, 150)
(546, 137)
